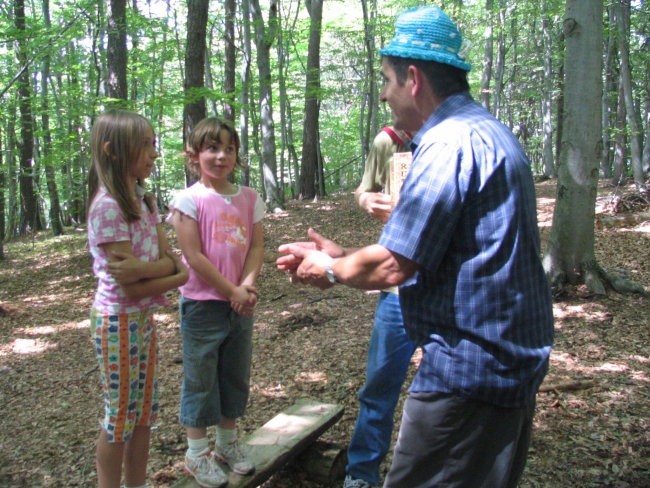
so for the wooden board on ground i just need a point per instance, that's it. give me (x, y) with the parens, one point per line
(280, 440)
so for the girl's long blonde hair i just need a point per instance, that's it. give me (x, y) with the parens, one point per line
(116, 139)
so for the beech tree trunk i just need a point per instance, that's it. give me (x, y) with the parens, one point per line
(570, 256)
(310, 174)
(620, 140)
(116, 87)
(371, 98)
(547, 99)
(230, 55)
(194, 110)
(30, 215)
(2, 200)
(244, 76)
(488, 56)
(609, 88)
(264, 38)
(623, 22)
(52, 191)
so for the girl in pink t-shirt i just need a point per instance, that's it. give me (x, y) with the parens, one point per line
(134, 267)
(219, 229)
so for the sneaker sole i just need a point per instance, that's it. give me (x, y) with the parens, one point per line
(189, 473)
(238, 471)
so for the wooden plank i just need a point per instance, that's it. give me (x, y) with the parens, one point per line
(280, 440)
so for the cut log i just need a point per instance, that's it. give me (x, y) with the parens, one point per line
(323, 462)
(279, 441)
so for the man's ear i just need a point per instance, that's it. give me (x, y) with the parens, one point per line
(415, 78)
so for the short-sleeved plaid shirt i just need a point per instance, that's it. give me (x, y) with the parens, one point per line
(480, 305)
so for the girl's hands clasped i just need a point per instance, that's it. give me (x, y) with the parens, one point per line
(244, 299)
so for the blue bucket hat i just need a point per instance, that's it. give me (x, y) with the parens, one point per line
(428, 34)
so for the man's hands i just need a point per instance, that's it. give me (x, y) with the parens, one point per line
(378, 205)
(306, 261)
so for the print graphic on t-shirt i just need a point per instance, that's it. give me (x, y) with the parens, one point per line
(230, 230)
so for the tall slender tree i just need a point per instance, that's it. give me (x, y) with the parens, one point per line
(30, 216)
(623, 22)
(231, 60)
(609, 88)
(547, 95)
(55, 208)
(488, 54)
(117, 59)
(371, 128)
(194, 109)
(264, 38)
(311, 175)
(244, 78)
(2, 197)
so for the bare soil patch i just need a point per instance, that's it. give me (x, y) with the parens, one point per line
(592, 427)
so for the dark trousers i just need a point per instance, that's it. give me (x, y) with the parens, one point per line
(450, 441)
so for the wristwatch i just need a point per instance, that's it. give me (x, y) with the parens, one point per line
(329, 274)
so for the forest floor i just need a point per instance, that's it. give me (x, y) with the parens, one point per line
(592, 427)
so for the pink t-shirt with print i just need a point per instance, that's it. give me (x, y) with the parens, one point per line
(226, 228)
(107, 224)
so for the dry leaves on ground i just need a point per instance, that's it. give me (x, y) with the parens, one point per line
(592, 426)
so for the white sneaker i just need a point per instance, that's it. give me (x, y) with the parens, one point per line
(205, 470)
(233, 456)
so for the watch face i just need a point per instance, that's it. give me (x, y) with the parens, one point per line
(329, 272)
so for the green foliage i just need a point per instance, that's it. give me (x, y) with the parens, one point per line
(76, 44)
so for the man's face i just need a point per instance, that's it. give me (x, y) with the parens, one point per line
(399, 97)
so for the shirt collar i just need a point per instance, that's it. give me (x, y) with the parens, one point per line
(451, 104)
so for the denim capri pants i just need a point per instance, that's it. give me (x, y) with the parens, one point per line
(217, 348)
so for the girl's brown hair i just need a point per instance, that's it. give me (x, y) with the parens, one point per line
(208, 131)
(116, 139)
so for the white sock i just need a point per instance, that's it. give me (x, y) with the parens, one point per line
(197, 446)
(226, 436)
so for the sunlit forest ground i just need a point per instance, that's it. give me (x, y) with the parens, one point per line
(592, 427)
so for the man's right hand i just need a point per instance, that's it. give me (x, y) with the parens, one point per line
(378, 205)
(289, 262)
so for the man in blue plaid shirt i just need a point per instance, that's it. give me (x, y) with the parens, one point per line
(463, 244)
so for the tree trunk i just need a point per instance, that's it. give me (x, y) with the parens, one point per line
(620, 140)
(488, 55)
(55, 207)
(116, 87)
(2, 200)
(309, 172)
(209, 82)
(230, 65)
(244, 75)
(646, 104)
(30, 218)
(623, 21)
(501, 60)
(194, 109)
(547, 98)
(609, 88)
(264, 40)
(570, 256)
(371, 90)
(282, 54)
